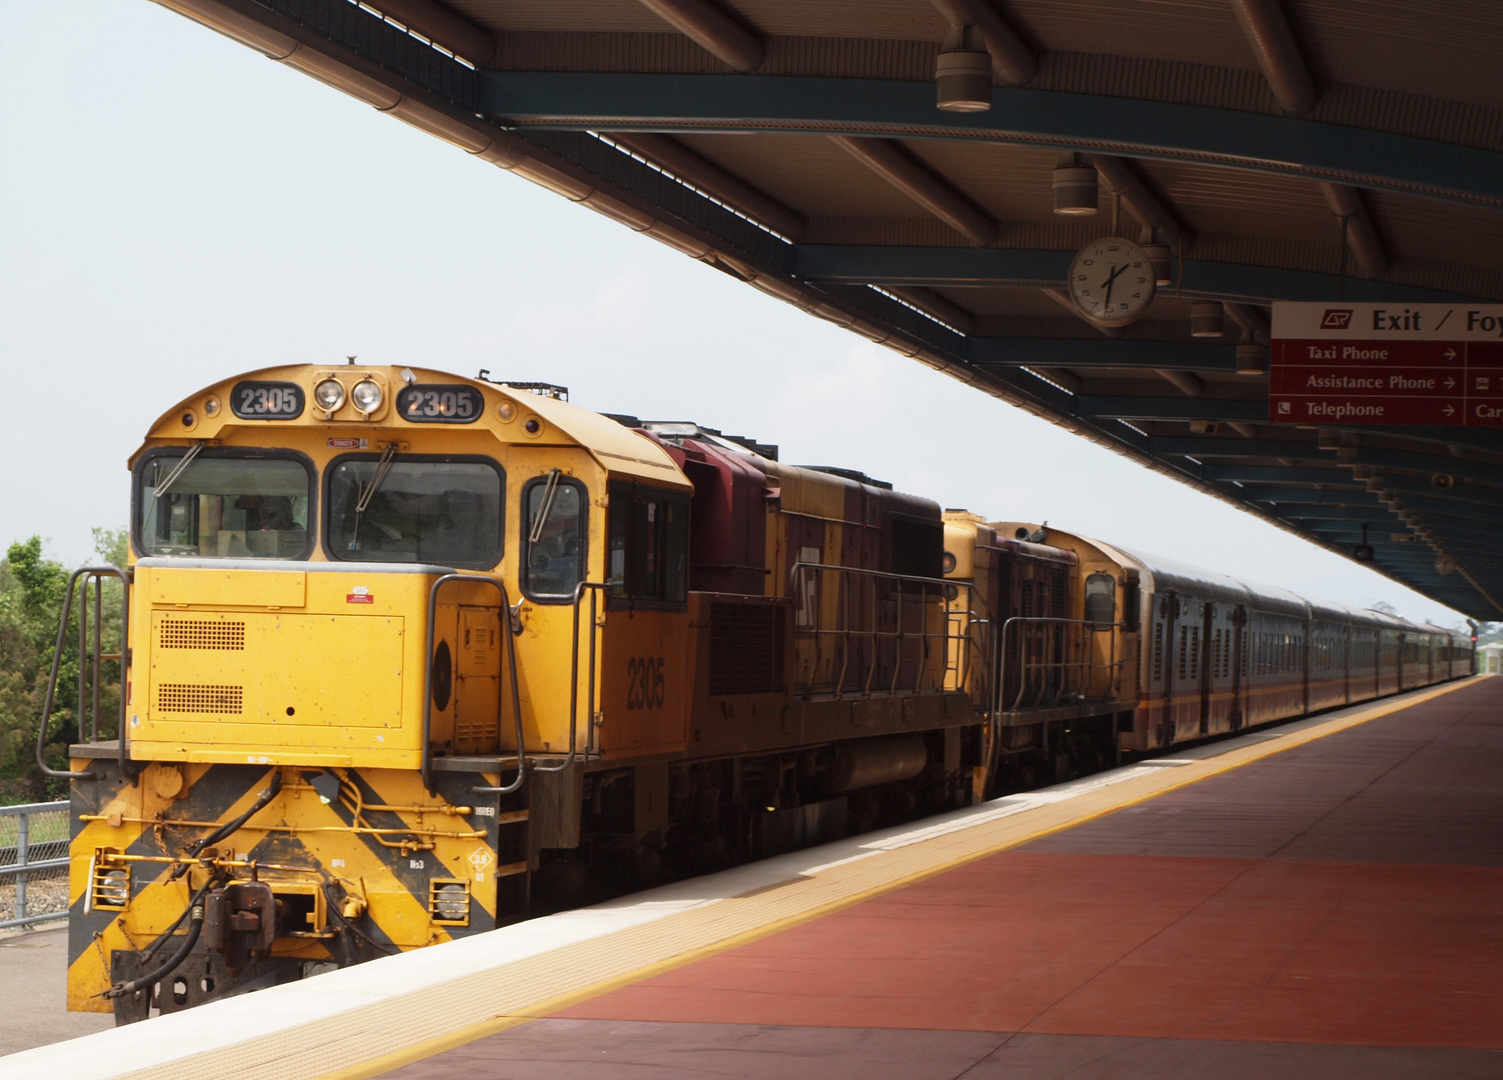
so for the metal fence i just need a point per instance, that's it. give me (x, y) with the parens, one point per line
(33, 863)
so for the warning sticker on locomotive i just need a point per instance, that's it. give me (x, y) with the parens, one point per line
(440, 403)
(256, 400)
(480, 858)
(360, 594)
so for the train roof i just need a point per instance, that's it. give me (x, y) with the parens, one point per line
(210, 413)
(1171, 573)
(801, 485)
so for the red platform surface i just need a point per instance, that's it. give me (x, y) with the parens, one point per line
(1336, 910)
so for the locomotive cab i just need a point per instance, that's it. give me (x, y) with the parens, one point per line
(353, 609)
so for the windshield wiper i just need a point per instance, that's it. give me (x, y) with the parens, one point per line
(538, 522)
(368, 491)
(178, 470)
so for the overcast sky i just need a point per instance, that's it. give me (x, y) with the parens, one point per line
(178, 208)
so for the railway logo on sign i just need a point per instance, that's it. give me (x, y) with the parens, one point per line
(1431, 364)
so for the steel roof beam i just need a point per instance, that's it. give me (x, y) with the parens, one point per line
(1208, 446)
(1361, 235)
(1100, 353)
(1351, 456)
(1123, 180)
(678, 160)
(1315, 496)
(1251, 320)
(1062, 298)
(1465, 514)
(1189, 384)
(1060, 377)
(1480, 539)
(1273, 43)
(1046, 268)
(923, 185)
(1095, 123)
(1263, 474)
(1326, 495)
(1012, 59)
(712, 30)
(1157, 408)
(936, 307)
(442, 26)
(1442, 438)
(1345, 532)
(1406, 486)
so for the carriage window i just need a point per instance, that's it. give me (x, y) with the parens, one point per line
(223, 506)
(649, 553)
(553, 538)
(1101, 600)
(414, 511)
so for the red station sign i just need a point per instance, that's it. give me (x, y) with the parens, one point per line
(1439, 364)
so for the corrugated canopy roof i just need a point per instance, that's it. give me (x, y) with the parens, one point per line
(796, 144)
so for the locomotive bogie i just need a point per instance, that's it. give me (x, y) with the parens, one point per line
(337, 848)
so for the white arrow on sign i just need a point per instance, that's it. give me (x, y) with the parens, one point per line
(1450, 383)
(1448, 410)
(1450, 354)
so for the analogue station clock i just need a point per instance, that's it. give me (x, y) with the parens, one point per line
(1111, 281)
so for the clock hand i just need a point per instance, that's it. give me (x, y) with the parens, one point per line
(1108, 301)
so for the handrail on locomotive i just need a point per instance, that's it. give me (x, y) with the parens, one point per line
(513, 631)
(592, 747)
(516, 701)
(90, 664)
(1062, 646)
(869, 610)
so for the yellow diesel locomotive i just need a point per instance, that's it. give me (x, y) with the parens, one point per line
(407, 656)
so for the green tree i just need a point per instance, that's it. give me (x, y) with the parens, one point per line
(31, 599)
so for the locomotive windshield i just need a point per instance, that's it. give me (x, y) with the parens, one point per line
(434, 511)
(219, 505)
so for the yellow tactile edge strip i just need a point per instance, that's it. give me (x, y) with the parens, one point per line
(372, 1039)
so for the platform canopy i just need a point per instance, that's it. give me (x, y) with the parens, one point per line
(1312, 150)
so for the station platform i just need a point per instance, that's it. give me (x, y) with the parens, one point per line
(1324, 898)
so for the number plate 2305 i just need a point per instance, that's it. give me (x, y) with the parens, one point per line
(646, 686)
(254, 400)
(439, 403)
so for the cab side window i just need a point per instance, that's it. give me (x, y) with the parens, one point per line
(649, 545)
(553, 538)
(1101, 600)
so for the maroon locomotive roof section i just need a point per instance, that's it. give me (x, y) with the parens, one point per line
(727, 520)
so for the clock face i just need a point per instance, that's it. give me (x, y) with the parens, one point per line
(1111, 281)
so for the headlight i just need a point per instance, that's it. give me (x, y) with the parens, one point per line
(451, 903)
(366, 396)
(329, 395)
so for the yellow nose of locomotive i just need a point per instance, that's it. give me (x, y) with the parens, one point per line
(306, 666)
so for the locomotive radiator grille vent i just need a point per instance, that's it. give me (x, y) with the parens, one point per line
(200, 698)
(746, 649)
(201, 634)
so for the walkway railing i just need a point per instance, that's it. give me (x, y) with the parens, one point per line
(873, 632)
(1046, 662)
(33, 851)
